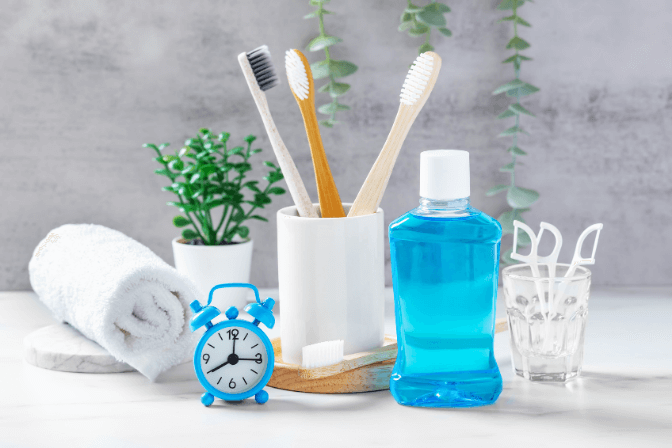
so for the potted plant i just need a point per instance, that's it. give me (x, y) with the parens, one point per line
(215, 200)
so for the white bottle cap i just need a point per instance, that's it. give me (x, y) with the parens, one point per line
(444, 174)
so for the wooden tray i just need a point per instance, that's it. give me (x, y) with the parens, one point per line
(365, 379)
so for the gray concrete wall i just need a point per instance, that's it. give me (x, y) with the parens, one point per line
(84, 83)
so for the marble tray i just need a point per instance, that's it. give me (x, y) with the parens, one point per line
(61, 347)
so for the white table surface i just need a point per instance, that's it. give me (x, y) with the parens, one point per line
(624, 397)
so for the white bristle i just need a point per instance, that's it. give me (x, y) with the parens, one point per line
(296, 74)
(322, 354)
(417, 79)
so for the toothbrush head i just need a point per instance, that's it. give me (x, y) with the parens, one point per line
(262, 67)
(322, 354)
(299, 74)
(420, 79)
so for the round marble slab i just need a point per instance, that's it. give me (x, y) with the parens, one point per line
(61, 347)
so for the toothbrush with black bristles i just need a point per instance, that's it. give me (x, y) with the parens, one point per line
(260, 76)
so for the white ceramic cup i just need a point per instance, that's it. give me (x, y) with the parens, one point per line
(332, 281)
(208, 266)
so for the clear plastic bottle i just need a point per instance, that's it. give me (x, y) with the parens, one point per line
(445, 260)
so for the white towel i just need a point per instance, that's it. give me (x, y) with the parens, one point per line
(116, 292)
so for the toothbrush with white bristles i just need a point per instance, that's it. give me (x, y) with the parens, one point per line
(300, 80)
(414, 93)
(260, 76)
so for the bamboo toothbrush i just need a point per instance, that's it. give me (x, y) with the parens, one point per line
(260, 76)
(301, 82)
(414, 93)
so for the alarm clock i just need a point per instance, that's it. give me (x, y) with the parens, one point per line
(234, 358)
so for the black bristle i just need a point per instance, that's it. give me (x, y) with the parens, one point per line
(262, 66)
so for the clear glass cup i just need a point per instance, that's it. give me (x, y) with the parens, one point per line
(547, 320)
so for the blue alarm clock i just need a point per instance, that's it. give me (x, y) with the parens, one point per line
(234, 359)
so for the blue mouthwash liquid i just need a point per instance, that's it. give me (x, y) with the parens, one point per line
(445, 259)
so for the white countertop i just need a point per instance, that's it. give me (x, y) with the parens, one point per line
(623, 398)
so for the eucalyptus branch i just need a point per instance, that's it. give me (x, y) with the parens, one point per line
(421, 20)
(329, 68)
(518, 198)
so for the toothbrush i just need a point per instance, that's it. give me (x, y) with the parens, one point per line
(301, 82)
(414, 93)
(260, 76)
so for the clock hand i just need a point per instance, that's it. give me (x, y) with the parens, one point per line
(249, 359)
(218, 367)
(234, 345)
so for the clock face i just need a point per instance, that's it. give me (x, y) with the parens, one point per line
(234, 360)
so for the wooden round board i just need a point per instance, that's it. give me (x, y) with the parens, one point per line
(364, 379)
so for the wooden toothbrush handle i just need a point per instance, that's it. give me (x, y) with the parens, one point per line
(372, 191)
(330, 201)
(292, 177)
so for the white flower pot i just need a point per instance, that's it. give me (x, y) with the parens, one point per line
(208, 266)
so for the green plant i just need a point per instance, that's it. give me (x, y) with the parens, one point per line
(329, 68)
(205, 176)
(518, 198)
(420, 20)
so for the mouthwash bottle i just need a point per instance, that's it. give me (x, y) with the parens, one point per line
(445, 260)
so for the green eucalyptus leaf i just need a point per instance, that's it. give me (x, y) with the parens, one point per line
(255, 151)
(180, 221)
(320, 69)
(524, 90)
(437, 7)
(174, 204)
(189, 234)
(328, 123)
(513, 130)
(424, 48)
(519, 109)
(260, 218)
(431, 17)
(331, 108)
(186, 208)
(496, 189)
(195, 178)
(189, 169)
(150, 145)
(197, 193)
(519, 20)
(517, 151)
(516, 83)
(517, 43)
(321, 42)
(518, 197)
(510, 4)
(270, 164)
(445, 32)
(516, 58)
(411, 8)
(406, 17)
(163, 172)
(405, 26)
(243, 167)
(418, 30)
(506, 114)
(508, 167)
(340, 69)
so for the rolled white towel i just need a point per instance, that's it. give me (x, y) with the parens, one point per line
(116, 292)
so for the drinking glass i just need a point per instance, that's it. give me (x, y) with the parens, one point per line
(547, 320)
